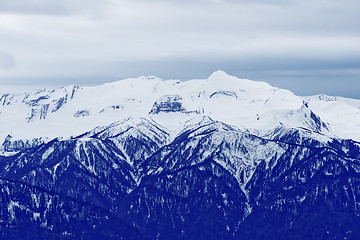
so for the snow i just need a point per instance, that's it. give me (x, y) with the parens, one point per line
(342, 114)
(35, 200)
(54, 170)
(11, 206)
(115, 166)
(36, 215)
(47, 153)
(250, 105)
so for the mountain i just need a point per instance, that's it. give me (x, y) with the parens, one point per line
(146, 158)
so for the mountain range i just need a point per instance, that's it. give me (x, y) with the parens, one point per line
(146, 158)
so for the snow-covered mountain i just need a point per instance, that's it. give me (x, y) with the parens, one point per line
(145, 158)
(255, 106)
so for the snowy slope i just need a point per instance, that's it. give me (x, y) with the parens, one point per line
(255, 106)
(343, 114)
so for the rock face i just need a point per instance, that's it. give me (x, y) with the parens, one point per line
(168, 103)
(10, 145)
(143, 178)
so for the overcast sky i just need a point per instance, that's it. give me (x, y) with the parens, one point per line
(306, 46)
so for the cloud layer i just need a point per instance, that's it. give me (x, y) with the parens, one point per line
(114, 39)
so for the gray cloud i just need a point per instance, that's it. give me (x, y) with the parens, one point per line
(112, 39)
(52, 7)
(7, 61)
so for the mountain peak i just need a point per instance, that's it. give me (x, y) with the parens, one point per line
(220, 77)
(219, 73)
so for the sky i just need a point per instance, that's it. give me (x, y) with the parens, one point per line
(309, 47)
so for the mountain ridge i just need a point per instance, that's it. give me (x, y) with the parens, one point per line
(259, 107)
